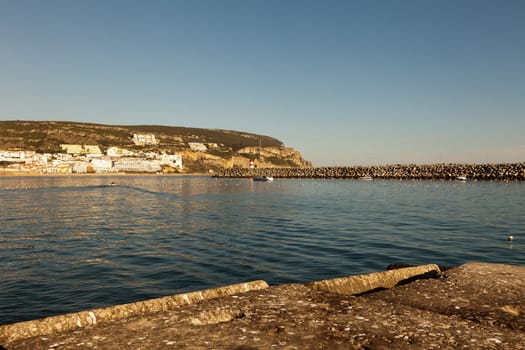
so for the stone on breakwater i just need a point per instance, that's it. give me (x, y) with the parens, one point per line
(489, 172)
(374, 281)
(51, 325)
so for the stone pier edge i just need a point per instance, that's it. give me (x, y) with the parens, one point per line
(54, 324)
(351, 285)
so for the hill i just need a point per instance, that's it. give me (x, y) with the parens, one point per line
(218, 148)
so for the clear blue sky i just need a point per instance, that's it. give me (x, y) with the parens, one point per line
(345, 82)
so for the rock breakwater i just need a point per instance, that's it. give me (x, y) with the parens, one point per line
(486, 172)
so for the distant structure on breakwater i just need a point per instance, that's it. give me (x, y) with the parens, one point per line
(485, 172)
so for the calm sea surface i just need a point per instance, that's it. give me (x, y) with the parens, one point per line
(73, 243)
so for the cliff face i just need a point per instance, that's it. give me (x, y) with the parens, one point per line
(271, 157)
(201, 149)
(263, 157)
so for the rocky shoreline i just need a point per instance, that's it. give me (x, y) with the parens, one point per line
(482, 172)
(473, 306)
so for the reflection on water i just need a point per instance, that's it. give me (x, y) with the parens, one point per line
(71, 243)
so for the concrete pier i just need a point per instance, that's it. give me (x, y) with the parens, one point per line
(473, 306)
(481, 172)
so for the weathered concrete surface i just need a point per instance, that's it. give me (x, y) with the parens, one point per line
(51, 325)
(353, 285)
(474, 306)
(488, 294)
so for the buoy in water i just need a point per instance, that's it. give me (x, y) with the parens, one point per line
(510, 238)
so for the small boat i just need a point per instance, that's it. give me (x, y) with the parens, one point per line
(263, 178)
(366, 178)
(461, 178)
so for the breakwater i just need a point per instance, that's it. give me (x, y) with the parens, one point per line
(486, 172)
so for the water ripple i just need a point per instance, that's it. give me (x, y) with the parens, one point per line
(72, 243)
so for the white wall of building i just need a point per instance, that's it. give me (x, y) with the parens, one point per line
(144, 139)
(102, 165)
(197, 147)
(172, 160)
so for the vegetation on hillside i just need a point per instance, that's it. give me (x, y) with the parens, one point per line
(43, 136)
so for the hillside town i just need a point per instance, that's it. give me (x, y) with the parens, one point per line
(85, 159)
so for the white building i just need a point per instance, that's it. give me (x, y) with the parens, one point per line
(41, 159)
(197, 147)
(81, 149)
(102, 165)
(17, 156)
(172, 160)
(132, 165)
(80, 167)
(145, 139)
(12, 155)
(63, 157)
(119, 152)
(58, 167)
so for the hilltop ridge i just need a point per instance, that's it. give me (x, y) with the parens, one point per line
(201, 149)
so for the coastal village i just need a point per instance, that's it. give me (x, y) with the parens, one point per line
(86, 159)
(34, 147)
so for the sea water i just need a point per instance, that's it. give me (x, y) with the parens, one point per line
(79, 242)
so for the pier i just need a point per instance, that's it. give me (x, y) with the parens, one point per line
(473, 306)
